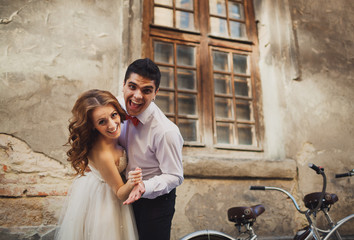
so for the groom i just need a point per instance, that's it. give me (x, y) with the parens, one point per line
(154, 144)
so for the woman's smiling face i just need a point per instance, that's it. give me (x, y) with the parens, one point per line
(107, 121)
(138, 93)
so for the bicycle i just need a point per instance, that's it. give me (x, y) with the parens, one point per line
(245, 217)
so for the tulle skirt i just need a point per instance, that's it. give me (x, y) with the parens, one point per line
(92, 212)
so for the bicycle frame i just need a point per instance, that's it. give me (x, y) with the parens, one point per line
(315, 232)
(311, 232)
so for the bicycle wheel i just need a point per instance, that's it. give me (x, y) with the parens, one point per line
(207, 235)
(337, 227)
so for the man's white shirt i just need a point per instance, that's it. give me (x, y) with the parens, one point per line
(155, 145)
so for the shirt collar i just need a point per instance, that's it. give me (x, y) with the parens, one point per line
(144, 116)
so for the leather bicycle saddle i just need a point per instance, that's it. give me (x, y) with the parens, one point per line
(243, 215)
(311, 200)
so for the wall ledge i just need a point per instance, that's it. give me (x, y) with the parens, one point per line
(211, 167)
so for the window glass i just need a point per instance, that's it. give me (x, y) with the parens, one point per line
(217, 7)
(185, 20)
(243, 110)
(240, 63)
(222, 84)
(187, 104)
(166, 101)
(245, 135)
(220, 61)
(188, 129)
(242, 88)
(224, 132)
(236, 10)
(163, 16)
(186, 79)
(218, 27)
(185, 55)
(223, 108)
(237, 29)
(185, 4)
(163, 52)
(167, 77)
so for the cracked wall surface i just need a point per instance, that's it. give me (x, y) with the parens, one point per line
(51, 51)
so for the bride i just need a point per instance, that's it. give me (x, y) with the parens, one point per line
(93, 208)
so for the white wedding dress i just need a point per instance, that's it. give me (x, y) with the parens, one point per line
(93, 212)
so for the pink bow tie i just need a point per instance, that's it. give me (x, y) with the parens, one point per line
(134, 120)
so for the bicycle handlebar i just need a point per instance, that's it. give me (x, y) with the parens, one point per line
(257, 188)
(319, 170)
(316, 168)
(348, 174)
(279, 190)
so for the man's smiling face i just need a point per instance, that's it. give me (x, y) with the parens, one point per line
(138, 93)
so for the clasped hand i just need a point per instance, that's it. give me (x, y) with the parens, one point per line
(139, 188)
(135, 176)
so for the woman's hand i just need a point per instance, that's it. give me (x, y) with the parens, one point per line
(135, 176)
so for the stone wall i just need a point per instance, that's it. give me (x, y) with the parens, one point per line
(54, 50)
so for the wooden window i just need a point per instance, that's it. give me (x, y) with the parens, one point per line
(206, 51)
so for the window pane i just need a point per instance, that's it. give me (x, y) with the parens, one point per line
(164, 2)
(236, 11)
(187, 104)
(185, 55)
(166, 101)
(243, 110)
(225, 133)
(220, 61)
(217, 7)
(222, 84)
(218, 27)
(167, 77)
(163, 16)
(186, 79)
(238, 30)
(188, 129)
(185, 20)
(242, 89)
(223, 108)
(240, 63)
(245, 135)
(163, 52)
(185, 4)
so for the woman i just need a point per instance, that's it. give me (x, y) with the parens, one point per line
(94, 209)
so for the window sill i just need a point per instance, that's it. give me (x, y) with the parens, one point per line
(224, 167)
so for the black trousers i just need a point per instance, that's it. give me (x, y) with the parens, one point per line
(154, 216)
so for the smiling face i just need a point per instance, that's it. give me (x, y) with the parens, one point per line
(138, 93)
(106, 120)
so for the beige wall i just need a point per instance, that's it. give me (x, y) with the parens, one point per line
(51, 51)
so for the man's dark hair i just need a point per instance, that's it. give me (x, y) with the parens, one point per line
(145, 68)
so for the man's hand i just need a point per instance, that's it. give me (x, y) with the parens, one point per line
(135, 194)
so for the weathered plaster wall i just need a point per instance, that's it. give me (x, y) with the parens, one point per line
(306, 66)
(53, 50)
(320, 107)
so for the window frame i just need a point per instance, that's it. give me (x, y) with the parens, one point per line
(202, 39)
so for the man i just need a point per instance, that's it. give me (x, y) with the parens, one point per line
(154, 144)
